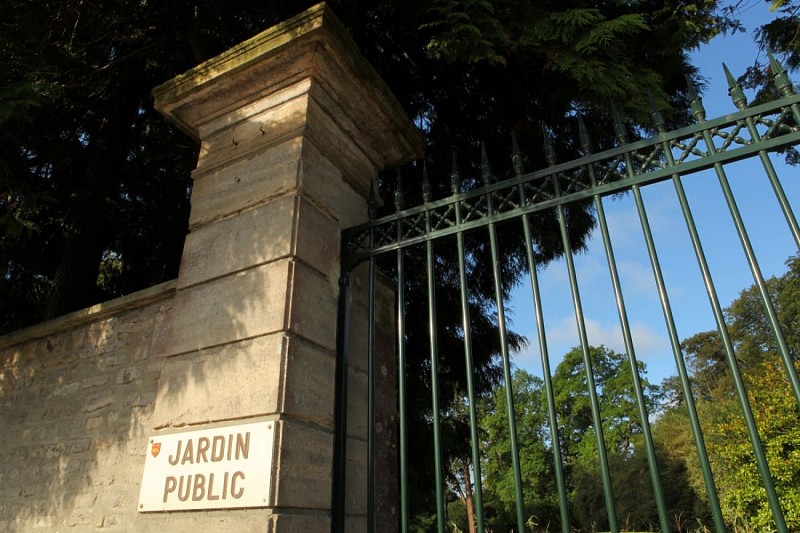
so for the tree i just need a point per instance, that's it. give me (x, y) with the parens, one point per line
(94, 184)
(535, 455)
(775, 410)
(622, 430)
(612, 375)
(92, 179)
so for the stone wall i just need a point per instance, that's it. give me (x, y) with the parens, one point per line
(76, 401)
(293, 126)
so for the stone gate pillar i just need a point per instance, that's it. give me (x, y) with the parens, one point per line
(293, 124)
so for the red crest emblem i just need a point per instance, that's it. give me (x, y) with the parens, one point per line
(155, 448)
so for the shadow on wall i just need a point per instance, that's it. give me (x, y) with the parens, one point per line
(76, 406)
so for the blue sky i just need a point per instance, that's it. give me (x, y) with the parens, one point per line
(765, 224)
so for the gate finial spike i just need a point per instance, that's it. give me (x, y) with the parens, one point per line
(734, 89)
(586, 141)
(516, 157)
(779, 76)
(486, 168)
(658, 118)
(399, 197)
(549, 151)
(619, 125)
(455, 176)
(372, 202)
(426, 184)
(698, 111)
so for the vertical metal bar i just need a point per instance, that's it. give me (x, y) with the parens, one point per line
(590, 383)
(783, 85)
(655, 478)
(434, 353)
(780, 194)
(501, 324)
(470, 369)
(694, 420)
(548, 380)
(738, 381)
(719, 317)
(371, 400)
(752, 261)
(340, 404)
(563, 501)
(401, 388)
(605, 475)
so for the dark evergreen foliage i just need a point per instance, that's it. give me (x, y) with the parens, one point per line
(94, 184)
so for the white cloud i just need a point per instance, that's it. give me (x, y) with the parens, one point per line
(563, 335)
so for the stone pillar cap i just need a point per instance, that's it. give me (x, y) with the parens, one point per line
(312, 47)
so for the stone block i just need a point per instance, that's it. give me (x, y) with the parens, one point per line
(94, 381)
(240, 306)
(323, 182)
(129, 375)
(98, 400)
(308, 388)
(313, 306)
(238, 520)
(302, 477)
(260, 123)
(232, 381)
(245, 183)
(288, 225)
(296, 523)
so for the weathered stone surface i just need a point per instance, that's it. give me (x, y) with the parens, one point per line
(64, 458)
(236, 380)
(288, 225)
(303, 474)
(245, 183)
(309, 378)
(312, 46)
(312, 312)
(242, 520)
(239, 306)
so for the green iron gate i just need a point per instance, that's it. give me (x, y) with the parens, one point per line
(749, 133)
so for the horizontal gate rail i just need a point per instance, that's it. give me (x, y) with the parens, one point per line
(667, 156)
(732, 141)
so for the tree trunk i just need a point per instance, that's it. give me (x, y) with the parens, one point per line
(469, 501)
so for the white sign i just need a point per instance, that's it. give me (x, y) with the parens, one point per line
(225, 467)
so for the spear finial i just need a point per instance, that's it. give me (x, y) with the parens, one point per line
(586, 141)
(549, 151)
(516, 157)
(658, 118)
(399, 197)
(486, 169)
(734, 89)
(619, 125)
(426, 184)
(779, 76)
(698, 111)
(455, 176)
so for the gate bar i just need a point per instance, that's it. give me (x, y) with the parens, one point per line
(587, 360)
(473, 410)
(655, 478)
(719, 317)
(697, 432)
(434, 349)
(516, 160)
(501, 323)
